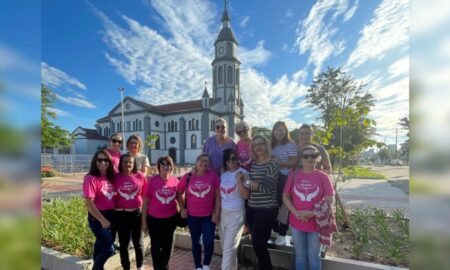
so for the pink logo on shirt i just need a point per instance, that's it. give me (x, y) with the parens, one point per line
(306, 191)
(165, 195)
(108, 190)
(128, 190)
(226, 191)
(199, 189)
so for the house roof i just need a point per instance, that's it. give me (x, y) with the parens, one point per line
(90, 133)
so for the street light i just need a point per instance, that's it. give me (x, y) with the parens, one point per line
(121, 89)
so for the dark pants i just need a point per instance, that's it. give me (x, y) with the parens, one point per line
(280, 227)
(104, 239)
(201, 226)
(129, 224)
(161, 231)
(260, 221)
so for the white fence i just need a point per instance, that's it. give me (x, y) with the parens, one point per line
(66, 163)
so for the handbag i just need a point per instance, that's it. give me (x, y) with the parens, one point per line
(182, 222)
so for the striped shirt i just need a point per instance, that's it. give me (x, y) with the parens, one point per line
(265, 196)
(282, 152)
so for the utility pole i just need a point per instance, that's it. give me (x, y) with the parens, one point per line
(121, 89)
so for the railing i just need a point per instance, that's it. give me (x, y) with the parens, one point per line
(66, 163)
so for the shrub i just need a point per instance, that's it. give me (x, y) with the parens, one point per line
(65, 227)
(47, 171)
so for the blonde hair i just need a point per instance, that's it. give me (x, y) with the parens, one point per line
(266, 145)
(241, 126)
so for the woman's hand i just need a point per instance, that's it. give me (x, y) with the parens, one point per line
(105, 224)
(215, 218)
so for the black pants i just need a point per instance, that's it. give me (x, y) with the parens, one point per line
(260, 221)
(280, 227)
(129, 224)
(161, 231)
(104, 239)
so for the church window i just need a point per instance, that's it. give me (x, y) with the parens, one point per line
(157, 123)
(196, 124)
(220, 75)
(134, 125)
(228, 49)
(172, 140)
(229, 75)
(237, 76)
(128, 126)
(193, 141)
(157, 143)
(176, 126)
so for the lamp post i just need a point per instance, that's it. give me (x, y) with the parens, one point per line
(121, 89)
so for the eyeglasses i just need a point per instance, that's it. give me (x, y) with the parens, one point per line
(220, 127)
(259, 144)
(116, 141)
(233, 159)
(312, 156)
(100, 160)
(165, 164)
(240, 132)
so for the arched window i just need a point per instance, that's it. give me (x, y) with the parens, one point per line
(193, 141)
(196, 124)
(228, 49)
(237, 76)
(230, 75)
(134, 125)
(176, 126)
(220, 74)
(157, 143)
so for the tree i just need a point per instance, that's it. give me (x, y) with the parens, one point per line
(52, 136)
(343, 108)
(266, 132)
(404, 150)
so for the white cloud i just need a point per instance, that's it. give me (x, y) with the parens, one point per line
(315, 35)
(388, 29)
(59, 112)
(349, 14)
(54, 77)
(289, 13)
(80, 102)
(244, 21)
(429, 16)
(179, 65)
(399, 68)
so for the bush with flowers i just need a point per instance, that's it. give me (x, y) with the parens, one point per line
(47, 171)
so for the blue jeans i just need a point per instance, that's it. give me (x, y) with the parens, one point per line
(201, 226)
(307, 250)
(104, 239)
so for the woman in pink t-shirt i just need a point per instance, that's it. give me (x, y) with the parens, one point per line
(130, 186)
(304, 188)
(159, 212)
(202, 209)
(98, 193)
(115, 142)
(243, 148)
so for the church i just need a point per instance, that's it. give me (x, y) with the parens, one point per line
(181, 128)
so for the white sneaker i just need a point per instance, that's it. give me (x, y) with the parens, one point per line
(205, 267)
(198, 268)
(280, 240)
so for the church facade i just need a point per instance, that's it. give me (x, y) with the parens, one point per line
(182, 128)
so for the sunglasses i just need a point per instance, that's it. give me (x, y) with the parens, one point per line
(240, 132)
(233, 159)
(258, 144)
(165, 164)
(116, 141)
(220, 127)
(100, 160)
(312, 156)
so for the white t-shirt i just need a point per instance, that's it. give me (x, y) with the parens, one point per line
(229, 191)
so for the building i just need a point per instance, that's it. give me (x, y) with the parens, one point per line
(87, 141)
(182, 128)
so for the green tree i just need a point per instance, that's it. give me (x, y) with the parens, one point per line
(266, 132)
(52, 136)
(404, 150)
(342, 104)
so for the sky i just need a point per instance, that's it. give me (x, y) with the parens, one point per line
(161, 51)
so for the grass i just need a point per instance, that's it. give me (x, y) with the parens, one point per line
(65, 228)
(361, 172)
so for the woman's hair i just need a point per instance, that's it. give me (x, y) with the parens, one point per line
(164, 158)
(242, 126)
(115, 134)
(310, 148)
(134, 170)
(284, 140)
(136, 137)
(266, 145)
(306, 126)
(93, 169)
(194, 169)
(227, 153)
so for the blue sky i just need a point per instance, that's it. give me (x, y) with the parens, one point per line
(160, 51)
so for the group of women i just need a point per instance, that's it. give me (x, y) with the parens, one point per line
(255, 183)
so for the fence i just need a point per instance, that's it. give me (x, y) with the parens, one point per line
(66, 163)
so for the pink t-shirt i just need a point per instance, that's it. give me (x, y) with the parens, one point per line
(200, 192)
(163, 196)
(101, 190)
(115, 157)
(306, 190)
(244, 154)
(129, 190)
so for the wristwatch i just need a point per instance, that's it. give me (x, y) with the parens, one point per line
(247, 182)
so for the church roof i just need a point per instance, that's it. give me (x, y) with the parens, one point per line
(226, 34)
(205, 93)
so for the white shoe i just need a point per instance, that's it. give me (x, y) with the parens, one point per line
(198, 268)
(205, 267)
(280, 240)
